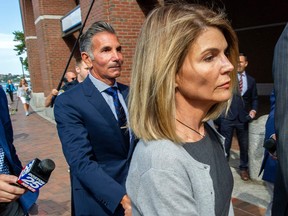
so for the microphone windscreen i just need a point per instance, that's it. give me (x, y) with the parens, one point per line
(47, 165)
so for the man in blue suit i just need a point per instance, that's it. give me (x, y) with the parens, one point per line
(13, 199)
(92, 126)
(243, 109)
(280, 73)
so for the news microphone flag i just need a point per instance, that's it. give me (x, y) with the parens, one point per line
(36, 174)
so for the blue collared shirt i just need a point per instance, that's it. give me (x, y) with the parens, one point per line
(101, 86)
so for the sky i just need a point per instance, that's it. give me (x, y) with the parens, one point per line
(10, 21)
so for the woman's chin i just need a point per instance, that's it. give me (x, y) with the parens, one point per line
(224, 96)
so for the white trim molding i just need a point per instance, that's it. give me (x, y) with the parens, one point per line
(44, 17)
(30, 38)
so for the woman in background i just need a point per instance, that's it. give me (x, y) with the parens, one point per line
(182, 76)
(24, 93)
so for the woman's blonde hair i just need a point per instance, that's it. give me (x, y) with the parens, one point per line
(25, 82)
(164, 41)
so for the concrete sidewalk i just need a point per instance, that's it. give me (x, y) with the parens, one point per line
(36, 136)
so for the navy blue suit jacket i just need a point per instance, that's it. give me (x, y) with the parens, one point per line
(94, 149)
(269, 165)
(241, 106)
(6, 142)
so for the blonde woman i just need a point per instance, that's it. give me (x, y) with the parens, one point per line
(183, 75)
(24, 94)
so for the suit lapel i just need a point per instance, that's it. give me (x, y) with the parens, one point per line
(95, 98)
(4, 144)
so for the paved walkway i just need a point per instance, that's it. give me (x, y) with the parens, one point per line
(35, 136)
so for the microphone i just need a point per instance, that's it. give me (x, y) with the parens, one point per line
(36, 174)
(270, 145)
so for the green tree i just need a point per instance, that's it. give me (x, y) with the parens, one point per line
(20, 48)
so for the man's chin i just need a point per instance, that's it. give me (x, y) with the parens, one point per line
(115, 73)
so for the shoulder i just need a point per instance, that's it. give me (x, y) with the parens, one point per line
(2, 93)
(160, 154)
(249, 77)
(67, 96)
(122, 87)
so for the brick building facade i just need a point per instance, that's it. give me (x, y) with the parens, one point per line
(48, 48)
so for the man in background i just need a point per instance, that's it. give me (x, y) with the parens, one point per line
(70, 80)
(243, 109)
(82, 71)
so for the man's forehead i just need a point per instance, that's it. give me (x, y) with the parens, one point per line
(242, 58)
(103, 39)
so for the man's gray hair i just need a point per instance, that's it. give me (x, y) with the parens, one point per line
(85, 43)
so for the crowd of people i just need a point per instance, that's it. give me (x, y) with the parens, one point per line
(162, 145)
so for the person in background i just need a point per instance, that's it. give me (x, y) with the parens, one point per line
(14, 200)
(24, 94)
(179, 83)
(10, 88)
(82, 72)
(70, 80)
(92, 126)
(269, 163)
(81, 69)
(242, 110)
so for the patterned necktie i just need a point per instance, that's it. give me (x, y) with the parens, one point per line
(122, 121)
(240, 83)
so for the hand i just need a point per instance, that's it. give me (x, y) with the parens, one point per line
(126, 204)
(273, 136)
(54, 92)
(252, 114)
(8, 191)
(273, 156)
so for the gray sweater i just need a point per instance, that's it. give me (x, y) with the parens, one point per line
(165, 180)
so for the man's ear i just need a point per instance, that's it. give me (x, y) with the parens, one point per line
(85, 57)
(246, 64)
(77, 69)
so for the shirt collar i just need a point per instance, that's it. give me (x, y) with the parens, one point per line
(101, 86)
(243, 74)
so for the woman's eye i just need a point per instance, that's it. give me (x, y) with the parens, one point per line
(208, 58)
(227, 53)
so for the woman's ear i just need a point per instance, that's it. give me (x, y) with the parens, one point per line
(177, 80)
